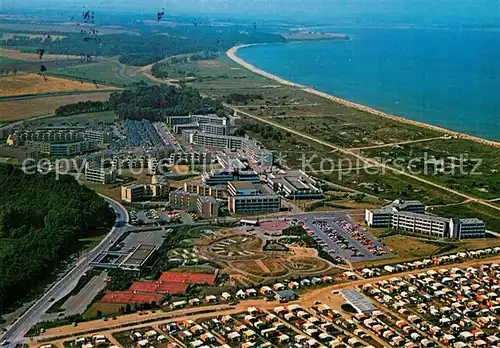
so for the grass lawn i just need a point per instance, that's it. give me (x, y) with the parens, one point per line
(93, 239)
(107, 309)
(410, 247)
(5, 60)
(467, 166)
(107, 190)
(105, 72)
(104, 116)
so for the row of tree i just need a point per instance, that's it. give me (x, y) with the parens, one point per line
(82, 107)
(7, 71)
(41, 220)
(156, 102)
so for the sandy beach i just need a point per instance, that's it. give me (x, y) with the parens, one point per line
(233, 55)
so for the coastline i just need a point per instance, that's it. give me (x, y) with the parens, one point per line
(232, 53)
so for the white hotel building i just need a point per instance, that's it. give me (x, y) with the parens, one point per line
(400, 215)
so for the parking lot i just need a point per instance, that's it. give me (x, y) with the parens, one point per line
(340, 236)
(155, 216)
(139, 134)
(133, 239)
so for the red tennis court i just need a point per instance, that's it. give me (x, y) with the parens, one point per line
(130, 297)
(187, 278)
(159, 287)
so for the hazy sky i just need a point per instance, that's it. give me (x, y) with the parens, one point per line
(403, 11)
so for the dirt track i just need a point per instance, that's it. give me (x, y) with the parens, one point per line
(21, 109)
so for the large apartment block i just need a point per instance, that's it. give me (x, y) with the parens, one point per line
(218, 191)
(209, 124)
(257, 152)
(156, 189)
(62, 149)
(382, 217)
(222, 177)
(194, 157)
(182, 199)
(213, 140)
(61, 134)
(420, 223)
(246, 197)
(207, 207)
(98, 174)
(409, 216)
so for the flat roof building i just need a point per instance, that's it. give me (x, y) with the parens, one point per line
(222, 177)
(213, 140)
(218, 191)
(410, 216)
(294, 184)
(139, 258)
(246, 197)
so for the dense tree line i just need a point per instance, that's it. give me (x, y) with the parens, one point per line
(82, 107)
(147, 47)
(140, 59)
(41, 220)
(264, 131)
(156, 102)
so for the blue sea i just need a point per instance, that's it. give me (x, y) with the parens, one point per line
(445, 77)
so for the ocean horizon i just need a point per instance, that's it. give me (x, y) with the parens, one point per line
(444, 77)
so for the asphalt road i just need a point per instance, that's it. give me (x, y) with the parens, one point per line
(15, 334)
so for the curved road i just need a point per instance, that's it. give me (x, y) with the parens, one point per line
(15, 334)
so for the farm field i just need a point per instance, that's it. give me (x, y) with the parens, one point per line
(23, 84)
(16, 54)
(15, 110)
(107, 72)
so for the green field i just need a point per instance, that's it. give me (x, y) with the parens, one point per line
(218, 77)
(460, 164)
(103, 116)
(103, 72)
(5, 61)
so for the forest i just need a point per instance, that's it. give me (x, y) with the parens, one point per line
(146, 48)
(41, 222)
(156, 102)
(81, 107)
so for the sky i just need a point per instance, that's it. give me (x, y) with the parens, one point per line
(486, 12)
